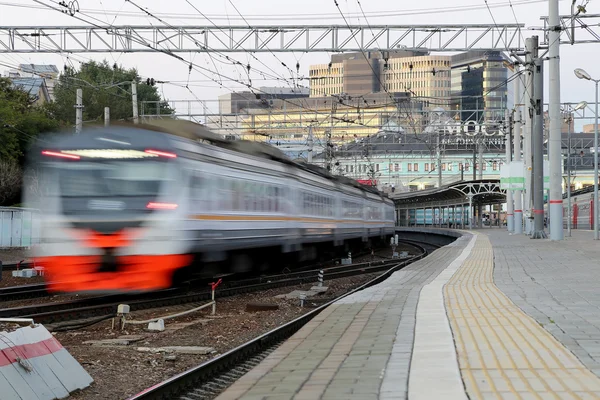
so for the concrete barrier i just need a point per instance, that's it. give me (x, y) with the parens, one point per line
(19, 227)
(34, 365)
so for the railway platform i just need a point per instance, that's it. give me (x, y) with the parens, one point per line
(488, 316)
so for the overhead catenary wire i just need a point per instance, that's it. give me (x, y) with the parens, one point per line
(195, 66)
(300, 16)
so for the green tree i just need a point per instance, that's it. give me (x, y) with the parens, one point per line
(20, 121)
(103, 85)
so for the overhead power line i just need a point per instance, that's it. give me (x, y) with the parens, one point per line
(298, 16)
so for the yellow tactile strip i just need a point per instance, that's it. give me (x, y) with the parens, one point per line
(502, 352)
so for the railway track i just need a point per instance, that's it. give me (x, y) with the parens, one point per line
(22, 292)
(210, 378)
(91, 308)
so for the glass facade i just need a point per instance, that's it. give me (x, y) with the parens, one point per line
(479, 85)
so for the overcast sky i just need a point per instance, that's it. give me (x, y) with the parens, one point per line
(282, 12)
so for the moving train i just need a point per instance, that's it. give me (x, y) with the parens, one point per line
(137, 208)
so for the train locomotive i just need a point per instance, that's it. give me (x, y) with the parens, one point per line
(135, 208)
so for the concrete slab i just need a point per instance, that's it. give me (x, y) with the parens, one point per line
(296, 294)
(120, 341)
(177, 349)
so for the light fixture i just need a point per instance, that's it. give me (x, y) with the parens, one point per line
(581, 105)
(581, 74)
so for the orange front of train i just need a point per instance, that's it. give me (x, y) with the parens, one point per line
(109, 211)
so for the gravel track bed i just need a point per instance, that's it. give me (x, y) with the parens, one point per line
(9, 280)
(122, 371)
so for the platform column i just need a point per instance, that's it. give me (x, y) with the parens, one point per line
(470, 212)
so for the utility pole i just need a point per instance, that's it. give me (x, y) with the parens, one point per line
(78, 111)
(106, 117)
(310, 144)
(509, 194)
(555, 202)
(136, 119)
(518, 196)
(529, 48)
(538, 145)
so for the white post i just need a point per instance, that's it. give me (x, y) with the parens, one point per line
(439, 161)
(78, 111)
(555, 200)
(106, 117)
(509, 193)
(518, 195)
(136, 119)
(570, 118)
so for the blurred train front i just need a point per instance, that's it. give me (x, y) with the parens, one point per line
(109, 211)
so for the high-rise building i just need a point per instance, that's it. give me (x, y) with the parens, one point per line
(479, 85)
(425, 77)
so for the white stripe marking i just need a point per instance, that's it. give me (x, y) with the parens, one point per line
(434, 371)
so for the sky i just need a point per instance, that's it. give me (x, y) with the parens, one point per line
(279, 13)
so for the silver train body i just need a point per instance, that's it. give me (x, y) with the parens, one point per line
(125, 192)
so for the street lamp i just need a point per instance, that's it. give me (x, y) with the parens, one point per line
(568, 120)
(581, 74)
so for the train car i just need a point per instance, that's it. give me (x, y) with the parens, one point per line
(582, 209)
(131, 209)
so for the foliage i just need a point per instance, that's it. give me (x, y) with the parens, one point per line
(10, 181)
(102, 85)
(20, 121)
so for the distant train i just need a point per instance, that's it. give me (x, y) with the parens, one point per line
(582, 209)
(130, 209)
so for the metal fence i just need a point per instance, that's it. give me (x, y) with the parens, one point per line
(19, 227)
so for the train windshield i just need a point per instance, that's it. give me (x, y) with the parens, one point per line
(112, 179)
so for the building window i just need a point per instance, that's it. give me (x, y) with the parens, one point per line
(449, 166)
(376, 167)
(396, 167)
(443, 166)
(433, 166)
(484, 166)
(416, 167)
(390, 168)
(460, 167)
(409, 167)
(426, 167)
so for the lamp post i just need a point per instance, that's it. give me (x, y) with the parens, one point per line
(581, 74)
(568, 120)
